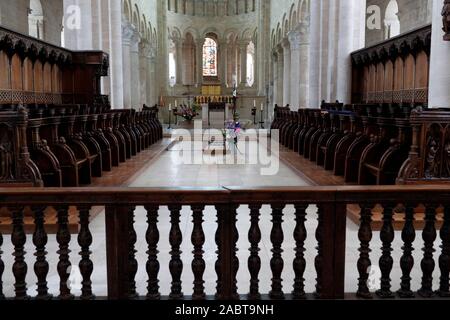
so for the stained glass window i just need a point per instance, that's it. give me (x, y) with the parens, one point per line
(210, 58)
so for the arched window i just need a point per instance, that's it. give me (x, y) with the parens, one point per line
(172, 64)
(210, 58)
(36, 19)
(250, 64)
(391, 20)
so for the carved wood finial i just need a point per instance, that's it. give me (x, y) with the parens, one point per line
(446, 20)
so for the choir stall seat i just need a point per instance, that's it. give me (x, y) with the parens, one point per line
(75, 170)
(40, 153)
(80, 146)
(124, 144)
(338, 121)
(381, 161)
(352, 131)
(300, 125)
(106, 131)
(97, 135)
(314, 131)
(95, 152)
(307, 124)
(321, 144)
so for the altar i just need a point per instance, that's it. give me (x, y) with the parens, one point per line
(215, 114)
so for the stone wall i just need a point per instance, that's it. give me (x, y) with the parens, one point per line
(412, 15)
(14, 15)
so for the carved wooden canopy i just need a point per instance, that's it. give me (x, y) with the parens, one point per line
(446, 19)
(410, 43)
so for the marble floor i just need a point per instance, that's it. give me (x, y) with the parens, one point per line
(167, 171)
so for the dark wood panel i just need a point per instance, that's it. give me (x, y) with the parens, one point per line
(395, 70)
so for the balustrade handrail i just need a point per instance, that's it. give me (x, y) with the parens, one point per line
(225, 194)
(330, 262)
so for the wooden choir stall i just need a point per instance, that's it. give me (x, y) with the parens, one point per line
(56, 129)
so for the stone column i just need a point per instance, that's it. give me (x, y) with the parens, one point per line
(135, 78)
(223, 60)
(345, 47)
(255, 69)
(314, 55)
(275, 76)
(199, 62)
(243, 56)
(280, 75)
(299, 43)
(286, 72)
(116, 54)
(439, 95)
(144, 66)
(151, 84)
(179, 61)
(294, 41)
(106, 82)
(127, 38)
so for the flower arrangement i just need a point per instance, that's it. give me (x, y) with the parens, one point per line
(188, 112)
(233, 129)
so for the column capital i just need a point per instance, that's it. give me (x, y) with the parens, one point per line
(130, 35)
(298, 37)
(243, 43)
(147, 50)
(278, 50)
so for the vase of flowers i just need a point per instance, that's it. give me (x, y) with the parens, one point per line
(188, 113)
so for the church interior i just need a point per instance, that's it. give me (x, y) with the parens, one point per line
(224, 149)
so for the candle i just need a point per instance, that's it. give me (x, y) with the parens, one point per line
(254, 103)
(170, 107)
(262, 107)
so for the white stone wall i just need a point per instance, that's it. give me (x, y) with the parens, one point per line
(14, 15)
(412, 15)
(311, 45)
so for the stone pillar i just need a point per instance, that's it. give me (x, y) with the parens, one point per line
(299, 43)
(144, 65)
(128, 32)
(199, 62)
(294, 41)
(345, 47)
(314, 55)
(243, 56)
(439, 95)
(116, 54)
(280, 75)
(105, 45)
(151, 84)
(286, 72)
(223, 60)
(135, 78)
(179, 61)
(275, 76)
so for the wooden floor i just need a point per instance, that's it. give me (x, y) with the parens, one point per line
(121, 176)
(318, 176)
